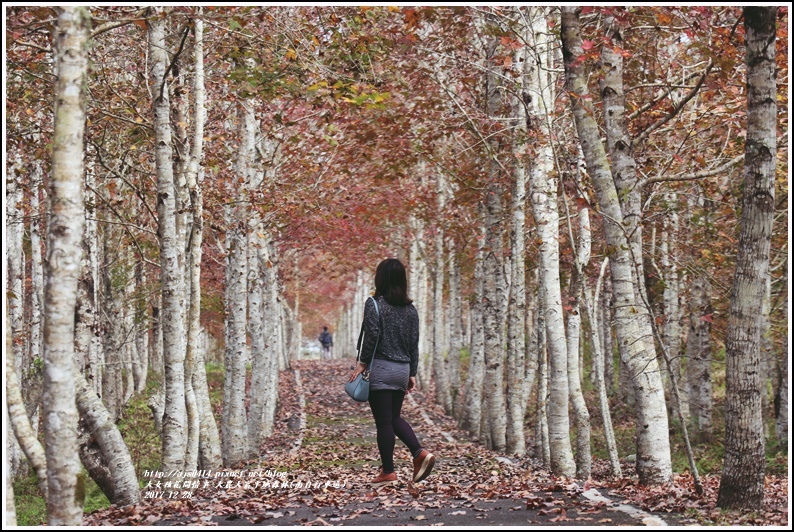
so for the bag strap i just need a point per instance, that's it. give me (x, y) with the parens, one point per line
(361, 336)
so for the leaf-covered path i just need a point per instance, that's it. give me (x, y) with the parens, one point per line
(317, 466)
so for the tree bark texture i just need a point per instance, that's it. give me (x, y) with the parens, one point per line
(742, 482)
(62, 270)
(20, 423)
(473, 399)
(620, 148)
(672, 295)
(598, 369)
(581, 414)
(235, 434)
(455, 320)
(440, 372)
(542, 444)
(201, 422)
(103, 428)
(635, 338)
(782, 397)
(15, 289)
(699, 357)
(171, 274)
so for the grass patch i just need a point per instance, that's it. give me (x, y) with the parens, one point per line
(31, 507)
(139, 433)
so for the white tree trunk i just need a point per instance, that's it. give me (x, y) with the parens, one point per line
(672, 293)
(543, 193)
(455, 320)
(531, 336)
(419, 290)
(172, 286)
(494, 289)
(197, 419)
(742, 481)
(112, 337)
(19, 422)
(271, 310)
(781, 404)
(493, 292)
(598, 369)
(62, 270)
(542, 444)
(473, 399)
(516, 326)
(104, 430)
(698, 355)
(36, 268)
(10, 511)
(635, 338)
(235, 440)
(15, 289)
(443, 394)
(605, 327)
(577, 286)
(141, 330)
(260, 361)
(130, 355)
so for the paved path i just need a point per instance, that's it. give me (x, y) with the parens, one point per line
(329, 453)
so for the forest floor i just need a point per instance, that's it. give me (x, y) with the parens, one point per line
(316, 469)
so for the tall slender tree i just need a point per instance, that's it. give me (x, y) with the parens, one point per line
(635, 339)
(742, 481)
(62, 270)
(171, 273)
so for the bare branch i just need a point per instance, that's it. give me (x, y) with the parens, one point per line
(693, 177)
(107, 26)
(669, 116)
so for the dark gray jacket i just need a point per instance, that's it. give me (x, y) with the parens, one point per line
(399, 340)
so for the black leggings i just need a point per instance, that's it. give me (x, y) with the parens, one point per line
(386, 406)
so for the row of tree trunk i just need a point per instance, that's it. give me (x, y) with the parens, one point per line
(527, 330)
(88, 306)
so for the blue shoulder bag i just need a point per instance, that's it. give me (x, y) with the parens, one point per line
(358, 388)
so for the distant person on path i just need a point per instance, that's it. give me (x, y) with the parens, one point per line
(393, 372)
(327, 342)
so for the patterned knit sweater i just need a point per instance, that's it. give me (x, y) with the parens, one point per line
(399, 340)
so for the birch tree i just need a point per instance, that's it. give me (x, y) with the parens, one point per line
(203, 430)
(699, 358)
(635, 339)
(62, 269)
(15, 289)
(672, 295)
(543, 185)
(235, 441)
(516, 309)
(116, 455)
(19, 423)
(172, 287)
(742, 481)
(473, 400)
(443, 392)
(455, 320)
(574, 322)
(493, 293)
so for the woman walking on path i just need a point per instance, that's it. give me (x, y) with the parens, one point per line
(393, 372)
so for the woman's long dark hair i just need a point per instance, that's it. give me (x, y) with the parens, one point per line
(390, 282)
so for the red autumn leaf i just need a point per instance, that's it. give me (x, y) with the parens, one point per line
(587, 44)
